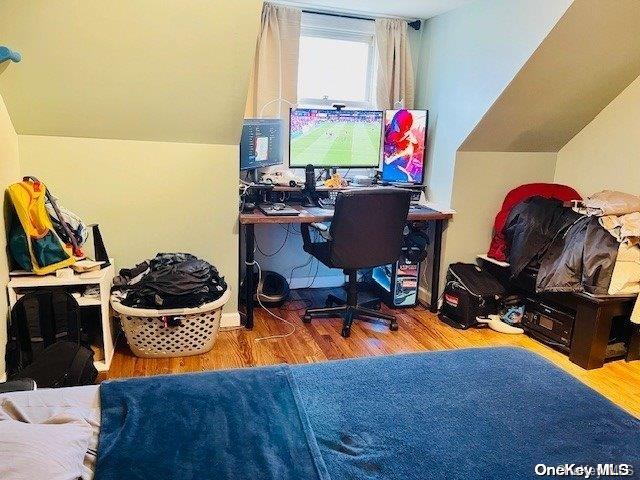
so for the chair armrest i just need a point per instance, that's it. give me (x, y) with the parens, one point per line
(321, 227)
(306, 234)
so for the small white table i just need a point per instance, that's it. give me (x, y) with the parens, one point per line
(19, 285)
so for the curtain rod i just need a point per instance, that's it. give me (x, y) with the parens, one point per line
(415, 24)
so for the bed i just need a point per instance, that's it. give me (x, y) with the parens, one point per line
(476, 413)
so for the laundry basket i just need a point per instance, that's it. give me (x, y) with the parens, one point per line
(150, 332)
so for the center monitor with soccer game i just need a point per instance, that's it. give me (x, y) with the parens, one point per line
(335, 138)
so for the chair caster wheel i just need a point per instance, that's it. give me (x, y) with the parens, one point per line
(394, 326)
(346, 332)
(306, 319)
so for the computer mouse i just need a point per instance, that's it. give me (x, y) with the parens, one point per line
(279, 206)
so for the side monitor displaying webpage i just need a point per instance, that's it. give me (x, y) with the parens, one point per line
(261, 143)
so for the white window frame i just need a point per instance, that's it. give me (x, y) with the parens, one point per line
(350, 29)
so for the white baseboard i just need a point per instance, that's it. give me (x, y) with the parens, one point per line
(230, 319)
(326, 281)
(424, 296)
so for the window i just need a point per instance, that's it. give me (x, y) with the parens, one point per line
(337, 62)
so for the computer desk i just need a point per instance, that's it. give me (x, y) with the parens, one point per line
(315, 214)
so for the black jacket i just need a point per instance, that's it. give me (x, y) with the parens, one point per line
(571, 252)
(531, 227)
(581, 260)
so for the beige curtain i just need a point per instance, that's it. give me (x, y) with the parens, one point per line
(275, 68)
(395, 71)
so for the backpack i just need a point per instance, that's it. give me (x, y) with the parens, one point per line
(33, 241)
(45, 341)
(470, 292)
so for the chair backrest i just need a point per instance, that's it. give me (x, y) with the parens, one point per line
(367, 227)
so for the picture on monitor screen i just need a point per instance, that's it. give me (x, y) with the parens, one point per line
(335, 138)
(261, 143)
(403, 156)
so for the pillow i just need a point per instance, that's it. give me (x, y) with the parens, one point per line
(33, 451)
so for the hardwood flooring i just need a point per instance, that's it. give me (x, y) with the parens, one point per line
(419, 330)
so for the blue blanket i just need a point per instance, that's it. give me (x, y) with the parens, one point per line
(237, 424)
(477, 413)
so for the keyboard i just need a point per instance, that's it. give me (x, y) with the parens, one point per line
(416, 206)
(273, 210)
(330, 201)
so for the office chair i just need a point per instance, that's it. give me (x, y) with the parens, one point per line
(366, 232)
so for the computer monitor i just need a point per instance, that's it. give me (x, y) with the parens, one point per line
(404, 155)
(261, 143)
(335, 138)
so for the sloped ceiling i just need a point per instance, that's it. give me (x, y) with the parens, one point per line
(174, 70)
(590, 56)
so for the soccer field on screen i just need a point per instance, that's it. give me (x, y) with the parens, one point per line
(337, 145)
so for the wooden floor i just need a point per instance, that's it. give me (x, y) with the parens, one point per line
(419, 330)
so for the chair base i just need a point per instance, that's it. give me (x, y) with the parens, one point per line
(371, 302)
(348, 313)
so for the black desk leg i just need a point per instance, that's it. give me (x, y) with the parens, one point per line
(249, 238)
(435, 275)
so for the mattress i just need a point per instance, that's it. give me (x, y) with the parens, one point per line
(39, 405)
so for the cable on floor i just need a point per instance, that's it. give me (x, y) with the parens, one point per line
(307, 303)
(271, 337)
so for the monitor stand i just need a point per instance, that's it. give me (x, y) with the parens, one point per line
(252, 175)
(309, 195)
(330, 171)
(309, 199)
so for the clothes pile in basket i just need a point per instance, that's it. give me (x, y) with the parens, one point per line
(169, 280)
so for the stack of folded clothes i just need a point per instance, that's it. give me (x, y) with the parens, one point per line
(619, 214)
(169, 280)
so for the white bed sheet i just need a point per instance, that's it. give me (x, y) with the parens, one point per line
(39, 405)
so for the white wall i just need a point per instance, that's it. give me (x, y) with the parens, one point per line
(470, 55)
(589, 57)
(9, 173)
(157, 92)
(173, 71)
(148, 197)
(477, 203)
(606, 153)
(291, 261)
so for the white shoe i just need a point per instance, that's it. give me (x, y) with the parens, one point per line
(494, 323)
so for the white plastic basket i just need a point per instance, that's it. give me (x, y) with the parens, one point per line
(149, 336)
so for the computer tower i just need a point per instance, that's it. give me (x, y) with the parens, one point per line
(397, 284)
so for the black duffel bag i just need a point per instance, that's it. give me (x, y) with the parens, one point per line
(470, 292)
(63, 364)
